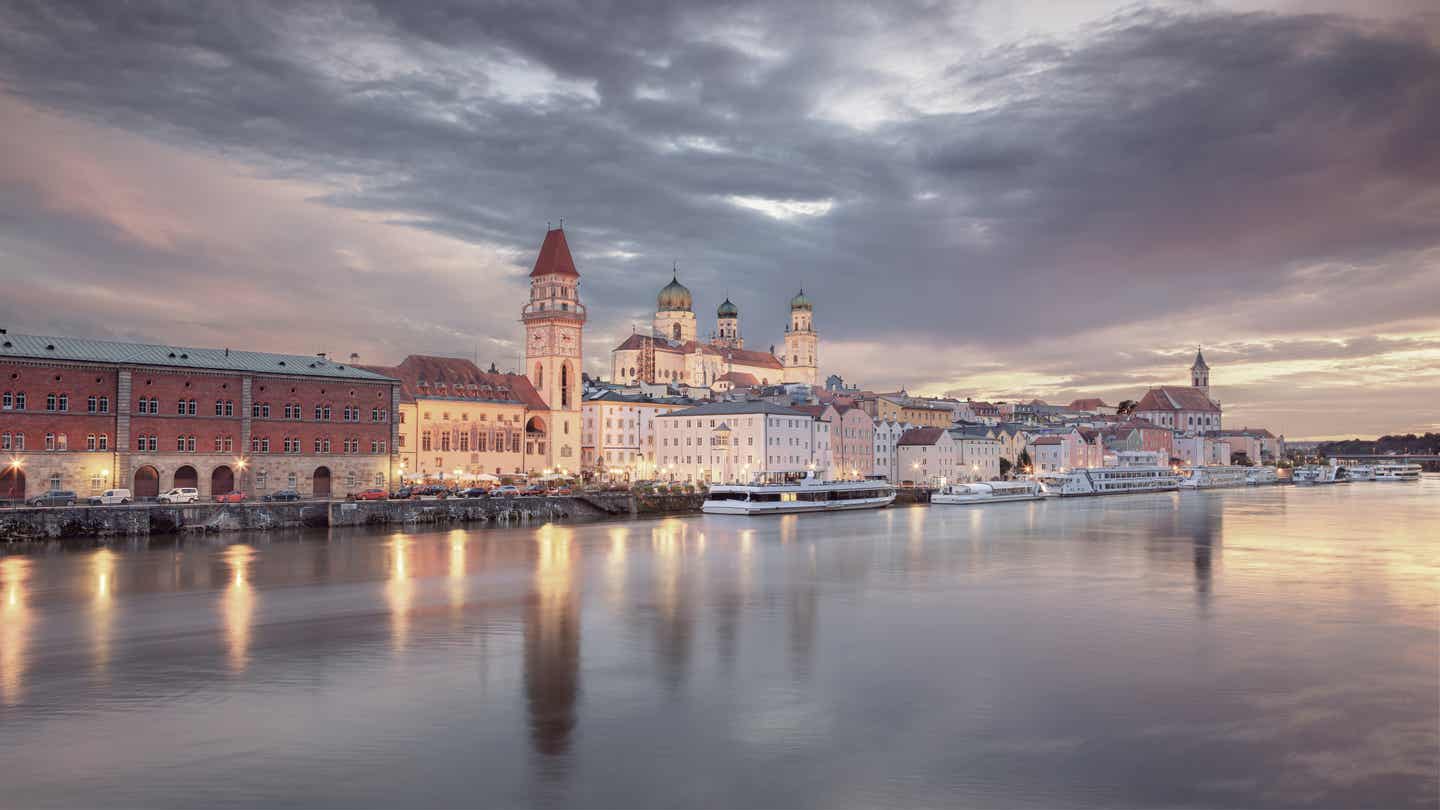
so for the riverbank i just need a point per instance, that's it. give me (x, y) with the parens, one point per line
(31, 524)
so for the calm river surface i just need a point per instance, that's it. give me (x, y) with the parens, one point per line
(1260, 647)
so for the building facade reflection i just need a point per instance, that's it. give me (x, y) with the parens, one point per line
(238, 605)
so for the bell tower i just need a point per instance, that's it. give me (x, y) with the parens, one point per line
(1200, 373)
(554, 322)
(801, 360)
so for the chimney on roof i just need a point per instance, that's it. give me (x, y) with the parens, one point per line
(354, 357)
(320, 355)
(227, 351)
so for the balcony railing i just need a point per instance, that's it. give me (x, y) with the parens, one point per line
(553, 309)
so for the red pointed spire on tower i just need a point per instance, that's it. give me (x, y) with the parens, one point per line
(554, 258)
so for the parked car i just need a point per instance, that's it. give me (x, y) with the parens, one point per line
(230, 497)
(282, 495)
(402, 494)
(112, 496)
(430, 492)
(180, 495)
(559, 491)
(372, 494)
(533, 489)
(473, 492)
(55, 497)
(507, 491)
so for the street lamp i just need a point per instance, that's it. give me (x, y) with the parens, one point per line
(241, 464)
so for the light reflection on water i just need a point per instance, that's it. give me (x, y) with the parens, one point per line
(1272, 647)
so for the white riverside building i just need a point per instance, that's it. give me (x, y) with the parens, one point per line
(739, 441)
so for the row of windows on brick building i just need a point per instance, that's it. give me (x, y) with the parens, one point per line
(55, 403)
(55, 442)
(294, 446)
(323, 413)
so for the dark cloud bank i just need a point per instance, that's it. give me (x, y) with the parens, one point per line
(1156, 165)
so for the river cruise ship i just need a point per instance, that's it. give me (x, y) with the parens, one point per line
(1258, 476)
(1109, 481)
(1359, 472)
(1397, 471)
(808, 495)
(988, 492)
(1312, 474)
(1214, 477)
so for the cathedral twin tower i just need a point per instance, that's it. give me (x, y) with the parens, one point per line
(674, 353)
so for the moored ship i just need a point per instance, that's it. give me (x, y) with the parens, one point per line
(1214, 477)
(1312, 474)
(807, 495)
(1397, 471)
(1109, 481)
(1262, 475)
(988, 492)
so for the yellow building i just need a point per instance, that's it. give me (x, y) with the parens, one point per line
(456, 421)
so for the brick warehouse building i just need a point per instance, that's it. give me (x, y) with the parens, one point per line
(89, 415)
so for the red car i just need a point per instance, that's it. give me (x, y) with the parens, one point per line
(230, 497)
(533, 490)
(372, 494)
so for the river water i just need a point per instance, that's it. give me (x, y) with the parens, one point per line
(1246, 648)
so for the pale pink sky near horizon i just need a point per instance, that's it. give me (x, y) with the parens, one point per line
(1001, 211)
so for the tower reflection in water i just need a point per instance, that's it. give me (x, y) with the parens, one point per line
(552, 641)
(238, 605)
(14, 628)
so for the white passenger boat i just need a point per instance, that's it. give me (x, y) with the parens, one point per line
(1397, 471)
(1312, 474)
(1109, 481)
(1359, 472)
(1262, 475)
(807, 495)
(988, 492)
(1214, 477)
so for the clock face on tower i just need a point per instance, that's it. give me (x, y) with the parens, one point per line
(538, 342)
(569, 342)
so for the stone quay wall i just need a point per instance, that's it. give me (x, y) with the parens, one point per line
(51, 523)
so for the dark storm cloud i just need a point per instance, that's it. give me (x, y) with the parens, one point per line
(1147, 167)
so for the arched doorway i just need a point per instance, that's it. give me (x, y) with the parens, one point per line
(147, 482)
(320, 482)
(12, 484)
(535, 436)
(186, 477)
(222, 481)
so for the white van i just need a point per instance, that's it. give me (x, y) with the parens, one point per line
(112, 496)
(180, 495)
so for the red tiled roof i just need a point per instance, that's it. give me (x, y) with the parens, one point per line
(738, 378)
(1049, 440)
(1088, 404)
(424, 376)
(1175, 398)
(920, 436)
(816, 411)
(554, 258)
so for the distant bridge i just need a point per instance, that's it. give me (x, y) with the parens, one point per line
(1427, 462)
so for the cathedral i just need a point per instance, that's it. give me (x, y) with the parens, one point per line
(674, 353)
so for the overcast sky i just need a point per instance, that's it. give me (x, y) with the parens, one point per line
(989, 200)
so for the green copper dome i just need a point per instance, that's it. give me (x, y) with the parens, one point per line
(727, 310)
(800, 301)
(674, 296)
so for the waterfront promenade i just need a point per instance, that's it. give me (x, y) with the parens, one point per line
(1257, 647)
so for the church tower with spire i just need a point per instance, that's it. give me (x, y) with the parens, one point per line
(554, 322)
(1200, 373)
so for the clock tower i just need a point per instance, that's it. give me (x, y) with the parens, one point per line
(554, 322)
